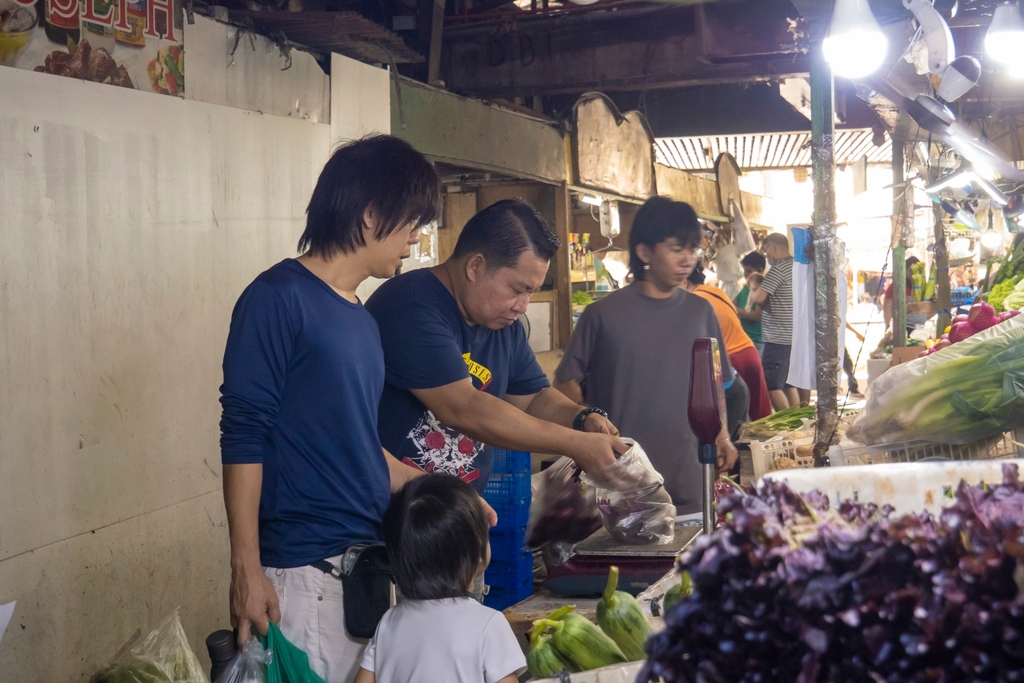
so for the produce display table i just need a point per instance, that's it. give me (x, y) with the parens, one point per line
(538, 606)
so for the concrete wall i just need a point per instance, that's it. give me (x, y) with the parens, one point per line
(129, 224)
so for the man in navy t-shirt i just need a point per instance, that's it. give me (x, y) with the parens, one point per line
(460, 376)
(305, 476)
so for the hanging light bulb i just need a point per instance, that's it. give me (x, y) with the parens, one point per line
(991, 240)
(855, 46)
(1004, 41)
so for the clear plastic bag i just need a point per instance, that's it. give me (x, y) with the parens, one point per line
(248, 665)
(632, 499)
(562, 510)
(163, 656)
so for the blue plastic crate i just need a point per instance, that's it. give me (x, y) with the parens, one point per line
(504, 572)
(501, 597)
(510, 581)
(507, 542)
(506, 462)
(511, 516)
(508, 489)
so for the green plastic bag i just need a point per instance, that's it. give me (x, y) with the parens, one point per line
(289, 664)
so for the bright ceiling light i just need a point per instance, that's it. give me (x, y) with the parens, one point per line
(592, 200)
(961, 178)
(855, 46)
(1004, 41)
(991, 240)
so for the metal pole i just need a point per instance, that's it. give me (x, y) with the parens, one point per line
(708, 477)
(826, 300)
(942, 293)
(901, 197)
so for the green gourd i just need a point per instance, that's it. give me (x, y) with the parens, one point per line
(677, 592)
(581, 643)
(542, 659)
(619, 615)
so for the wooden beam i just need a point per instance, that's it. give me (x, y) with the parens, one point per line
(436, 42)
(562, 313)
(458, 209)
(610, 51)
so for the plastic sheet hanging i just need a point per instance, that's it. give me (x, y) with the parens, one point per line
(741, 235)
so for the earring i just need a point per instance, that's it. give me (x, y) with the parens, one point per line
(647, 266)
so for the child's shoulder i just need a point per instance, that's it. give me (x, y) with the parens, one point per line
(467, 610)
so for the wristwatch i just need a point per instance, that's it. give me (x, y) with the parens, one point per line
(577, 424)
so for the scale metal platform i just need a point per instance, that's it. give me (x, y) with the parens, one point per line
(585, 574)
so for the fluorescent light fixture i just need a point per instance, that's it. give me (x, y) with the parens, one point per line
(965, 179)
(591, 199)
(855, 46)
(991, 190)
(991, 240)
(1004, 41)
(961, 178)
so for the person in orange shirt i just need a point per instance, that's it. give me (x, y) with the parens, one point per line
(743, 355)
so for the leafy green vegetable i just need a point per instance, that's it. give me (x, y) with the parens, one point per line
(997, 297)
(581, 298)
(135, 671)
(961, 394)
(783, 421)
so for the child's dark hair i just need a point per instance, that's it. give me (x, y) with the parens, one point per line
(436, 535)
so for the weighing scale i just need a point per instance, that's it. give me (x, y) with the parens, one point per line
(585, 574)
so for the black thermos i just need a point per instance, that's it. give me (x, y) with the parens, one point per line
(223, 648)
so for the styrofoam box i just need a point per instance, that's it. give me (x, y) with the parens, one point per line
(908, 487)
(616, 673)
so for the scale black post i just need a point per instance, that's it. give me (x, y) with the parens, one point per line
(585, 574)
(707, 415)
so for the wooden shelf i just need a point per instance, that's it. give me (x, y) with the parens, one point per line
(582, 276)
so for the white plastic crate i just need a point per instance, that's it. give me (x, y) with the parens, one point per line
(1008, 445)
(908, 487)
(767, 455)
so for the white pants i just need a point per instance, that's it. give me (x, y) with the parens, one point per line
(313, 619)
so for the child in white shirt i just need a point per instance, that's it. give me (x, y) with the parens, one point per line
(437, 539)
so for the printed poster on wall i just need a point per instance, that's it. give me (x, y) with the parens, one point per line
(128, 43)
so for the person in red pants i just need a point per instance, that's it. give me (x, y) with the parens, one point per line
(742, 354)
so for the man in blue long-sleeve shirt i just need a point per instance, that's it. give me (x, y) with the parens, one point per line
(305, 476)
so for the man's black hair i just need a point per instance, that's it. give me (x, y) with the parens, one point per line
(755, 260)
(435, 531)
(697, 276)
(660, 219)
(380, 173)
(503, 231)
(911, 261)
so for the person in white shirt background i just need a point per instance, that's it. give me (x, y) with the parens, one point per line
(436, 533)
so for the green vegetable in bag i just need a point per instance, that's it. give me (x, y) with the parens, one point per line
(136, 671)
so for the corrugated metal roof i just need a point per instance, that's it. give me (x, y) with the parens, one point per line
(768, 150)
(346, 33)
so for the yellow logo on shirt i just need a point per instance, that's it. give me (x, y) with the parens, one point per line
(478, 371)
